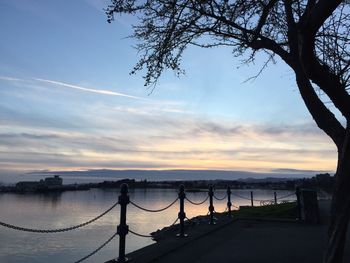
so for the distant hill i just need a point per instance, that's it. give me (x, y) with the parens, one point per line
(163, 175)
(269, 179)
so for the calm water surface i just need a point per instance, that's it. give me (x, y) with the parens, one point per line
(58, 210)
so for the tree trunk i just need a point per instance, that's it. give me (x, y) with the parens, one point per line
(340, 209)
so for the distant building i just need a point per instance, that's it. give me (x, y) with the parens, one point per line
(27, 186)
(53, 181)
(49, 183)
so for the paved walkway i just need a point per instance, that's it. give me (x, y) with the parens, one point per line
(243, 241)
(249, 241)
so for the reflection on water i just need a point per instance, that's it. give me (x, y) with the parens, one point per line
(58, 210)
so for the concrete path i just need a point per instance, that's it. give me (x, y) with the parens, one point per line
(251, 241)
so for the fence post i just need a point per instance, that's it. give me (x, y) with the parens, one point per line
(182, 214)
(229, 204)
(211, 206)
(123, 228)
(251, 198)
(297, 192)
(275, 195)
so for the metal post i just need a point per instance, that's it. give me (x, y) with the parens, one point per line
(229, 204)
(275, 195)
(211, 206)
(251, 198)
(123, 228)
(297, 192)
(182, 214)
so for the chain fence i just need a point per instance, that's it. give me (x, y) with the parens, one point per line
(264, 202)
(220, 199)
(191, 219)
(152, 235)
(154, 210)
(173, 224)
(59, 230)
(139, 235)
(97, 249)
(267, 202)
(261, 200)
(240, 196)
(195, 203)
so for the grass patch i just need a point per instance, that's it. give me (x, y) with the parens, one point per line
(284, 211)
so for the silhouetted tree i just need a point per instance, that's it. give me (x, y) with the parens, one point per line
(310, 36)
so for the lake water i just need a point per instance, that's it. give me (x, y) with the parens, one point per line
(58, 210)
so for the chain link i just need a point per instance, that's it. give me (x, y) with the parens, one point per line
(220, 199)
(194, 203)
(190, 219)
(247, 198)
(154, 210)
(197, 218)
(97, 249)
(177, 219)
(25, 229)
(140, 235)
(263, 200)
(268, 202)
(242, 197)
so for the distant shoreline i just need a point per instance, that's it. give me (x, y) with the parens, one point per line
(190, 185)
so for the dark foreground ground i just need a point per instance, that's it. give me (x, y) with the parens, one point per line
(243, 241)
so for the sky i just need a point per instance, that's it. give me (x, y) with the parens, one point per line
(68, 102)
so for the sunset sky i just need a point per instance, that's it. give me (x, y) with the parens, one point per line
(67, 101)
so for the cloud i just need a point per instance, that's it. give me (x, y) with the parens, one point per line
(172, 143)
(143, 133)
(11, 117)
(98, 91)
(9, 136)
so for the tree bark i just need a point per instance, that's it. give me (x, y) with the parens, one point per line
(340, 209)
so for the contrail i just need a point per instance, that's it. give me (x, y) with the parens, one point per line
(98, 91)
(10, 78)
